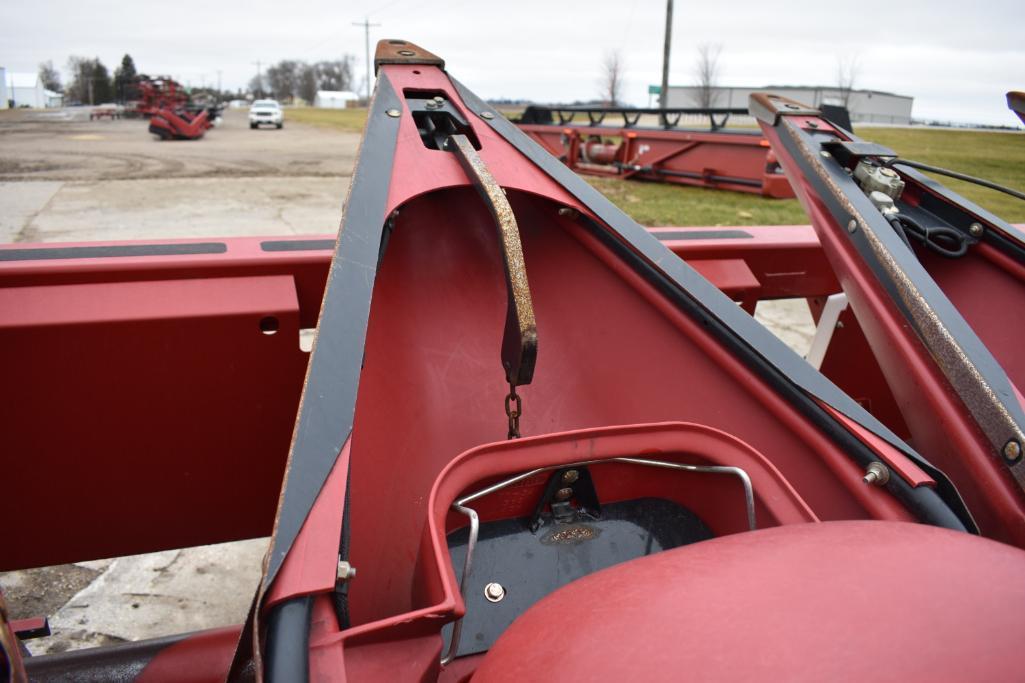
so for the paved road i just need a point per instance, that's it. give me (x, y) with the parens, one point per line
(68, 179)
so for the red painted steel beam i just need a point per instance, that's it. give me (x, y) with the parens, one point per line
(739, 160)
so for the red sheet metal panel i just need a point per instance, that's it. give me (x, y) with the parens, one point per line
(130, 395)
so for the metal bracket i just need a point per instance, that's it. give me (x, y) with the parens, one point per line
(835, 305)
(519, 343)
(394, 51)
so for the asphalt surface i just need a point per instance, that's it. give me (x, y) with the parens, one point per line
(66, 179)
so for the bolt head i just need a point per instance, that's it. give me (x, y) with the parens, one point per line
(825, 154)
(494, 592)
(345, 571)
(876, 474)
(1012, 451)
(852, 225)
(564, 494)
(888, 172)
(975, 229)
(394, 113)
(487, 115)
(570, 476)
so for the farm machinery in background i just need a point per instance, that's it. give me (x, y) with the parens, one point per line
(680, 149)
(173, 113)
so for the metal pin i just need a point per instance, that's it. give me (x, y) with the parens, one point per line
(394, 113)
(876, 474)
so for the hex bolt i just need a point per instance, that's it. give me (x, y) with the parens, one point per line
(975, 229)
(345, 571)
(852, 225)
(494, 592)
(487, 115)
(876, 474)
(1012, 451)
(564, 494)
(570, 476)
(394, 113)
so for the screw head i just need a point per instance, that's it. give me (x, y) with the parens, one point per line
(825, 154)
(394, 113)
(1012, 451)
(852, 225)
(570, 476)
(406, 53)
(494, 592)
(564, 494)
(487, 115)
(975, 229)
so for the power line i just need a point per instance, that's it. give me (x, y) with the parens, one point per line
(366, 30)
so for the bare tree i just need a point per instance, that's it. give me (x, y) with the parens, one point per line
(706, 73)
(848, 68)
(50, 77)
(611, 82)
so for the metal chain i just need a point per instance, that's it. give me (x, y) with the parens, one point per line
(513, 409)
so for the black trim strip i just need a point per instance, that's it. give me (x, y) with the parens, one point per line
(113, 251)
(668, 235)
(328, 404)
(297, 245)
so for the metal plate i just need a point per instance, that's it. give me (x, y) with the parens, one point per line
(530, 566)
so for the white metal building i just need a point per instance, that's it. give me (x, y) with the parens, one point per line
(26, 89)
(334, 99)
(866, 106)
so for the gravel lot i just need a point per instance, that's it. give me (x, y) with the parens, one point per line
(66, 179)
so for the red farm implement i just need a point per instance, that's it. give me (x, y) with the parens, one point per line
(182, 124)
(150, 95)
(548, 439)
(678, 150)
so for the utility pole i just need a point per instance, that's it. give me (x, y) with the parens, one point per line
(366, 30)
(663, 96)
(218, 82)
(259, 78)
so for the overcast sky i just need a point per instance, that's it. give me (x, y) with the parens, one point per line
(956, 58)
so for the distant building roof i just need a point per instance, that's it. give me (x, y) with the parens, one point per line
(22, 79)
(795, 87)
